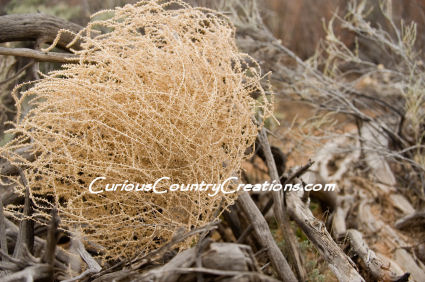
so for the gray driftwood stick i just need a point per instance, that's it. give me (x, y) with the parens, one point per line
(280, 210)
(373, 264)
(3, 242)
(315, 230)
(54, 57)
(265, 238)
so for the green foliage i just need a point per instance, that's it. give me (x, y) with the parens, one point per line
(314, 269)
(317, 270)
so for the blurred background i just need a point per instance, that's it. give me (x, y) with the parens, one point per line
(299, 24)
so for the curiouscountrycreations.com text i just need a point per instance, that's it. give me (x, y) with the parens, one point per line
(228, 186)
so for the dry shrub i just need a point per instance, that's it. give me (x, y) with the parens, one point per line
(299, 24)
(164, 92)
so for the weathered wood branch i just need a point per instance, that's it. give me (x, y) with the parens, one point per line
(263, 235)
(3, 241)
(54, 57)
(31, 273)
(25, 237)
(40, 244)
(219, 259)
(371, 261)
(339, 227)
(280, 209)
(93, 266)
(28, 27)
(411, 219)
(316, 232)
(49, 254)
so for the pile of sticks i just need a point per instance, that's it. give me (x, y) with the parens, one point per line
(34, 257)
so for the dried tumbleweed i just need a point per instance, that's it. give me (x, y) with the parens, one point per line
(164, 92)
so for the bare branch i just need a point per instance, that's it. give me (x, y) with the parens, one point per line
(25, 27)
(49, 255)
(265, 238)
(31, 273)
(373, 264)
(26, 228)
(3, 242)
(280, 209)
(53, 57)
(316, 232)
(408, 220)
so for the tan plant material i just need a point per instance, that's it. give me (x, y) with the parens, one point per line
(163, 92)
